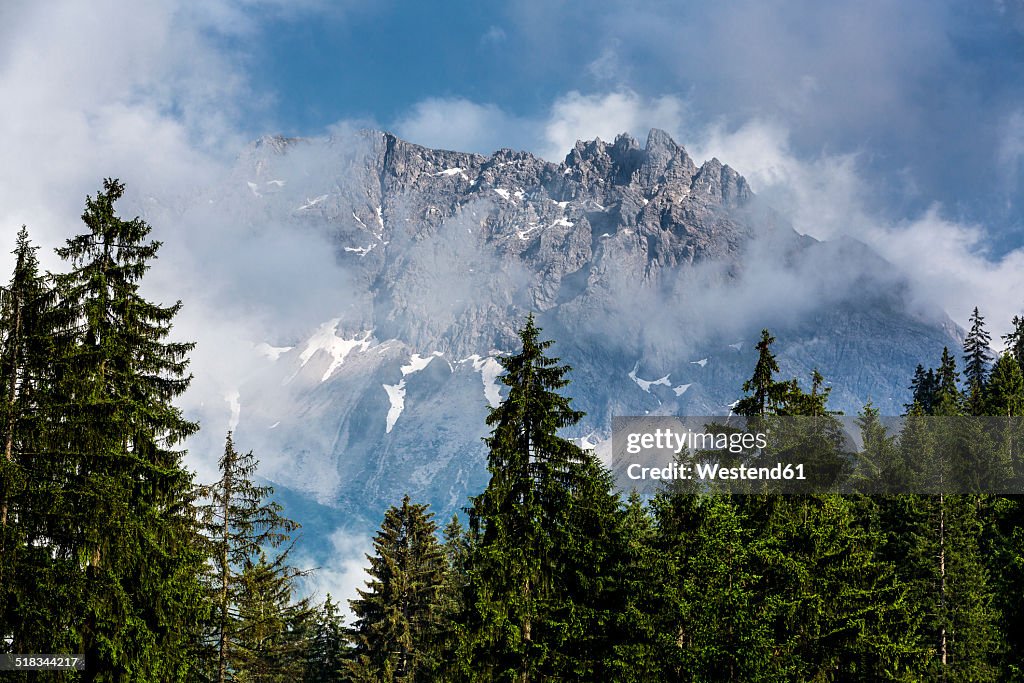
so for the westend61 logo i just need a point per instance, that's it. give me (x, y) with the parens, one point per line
(820, 454)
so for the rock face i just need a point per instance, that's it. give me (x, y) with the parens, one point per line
(653, 274)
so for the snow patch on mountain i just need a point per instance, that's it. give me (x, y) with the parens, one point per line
(272, 352)
(702, 362)
(326, 339)
(362, 251)
(646, 384)
(396, 395)
(489, 369)
(310, 203)
(418, 362)
(681, 389)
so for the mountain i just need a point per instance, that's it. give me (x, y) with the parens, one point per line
(653, 274)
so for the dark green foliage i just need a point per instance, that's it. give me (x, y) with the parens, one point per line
(924, 386)
(269, 637)
(947, 399)
(1004, 393)
(977, 358)
(766, 394)
(544, 530)
(881, 469)
(124, 511)
(396, 630)
(26, 331)
(327, 650)
(240, 522)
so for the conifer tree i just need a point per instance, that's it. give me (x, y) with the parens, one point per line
(327, 651)
(923, 388)
(1004, 394)
(127, 514)
(241, 521)
(1015, 340)
(947, 398)
(396, 618)
(453, 646)
(646, 614)
(976, 362)
(270, 635)
(766, 394)
(541, 531)
(32, 337)
(880, 469)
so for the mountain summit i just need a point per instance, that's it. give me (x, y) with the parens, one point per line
(655, 276)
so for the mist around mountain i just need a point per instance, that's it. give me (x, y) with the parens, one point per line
(402, 273)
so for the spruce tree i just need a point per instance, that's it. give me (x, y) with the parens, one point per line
(327, 650)
(646, 615)
(241, 522)
(1015, 340)
(765, 393)
(271, 632)
(32, 338)
(127, 514)
(542, 532)
(1004, 394)
(977, 357)
(947, 399)
(396, 628)
(923, 388)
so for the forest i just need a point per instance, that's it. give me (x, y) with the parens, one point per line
(110, 548)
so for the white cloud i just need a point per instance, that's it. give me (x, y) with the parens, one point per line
(343, 572)
(583, 117)
(827, 196)
(462, 125)
(138, 91)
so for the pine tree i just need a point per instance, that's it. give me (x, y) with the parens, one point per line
(541, 531)
(32, 337)
(327, 651)
(1015, 340)
(127, 514)
(454, 647)
(880, 469)
(766, 394)
(270, 635)
(645, 616)
(1004, 394)
(396, 628)
(947, 398)
(923, 388)
(977, 357)
(240, 521)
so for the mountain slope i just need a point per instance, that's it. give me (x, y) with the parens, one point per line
(654, 275)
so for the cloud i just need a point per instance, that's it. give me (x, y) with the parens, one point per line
(462, 125)
(576, 116)
(494, 35)
(342, 572)
(948, 261)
